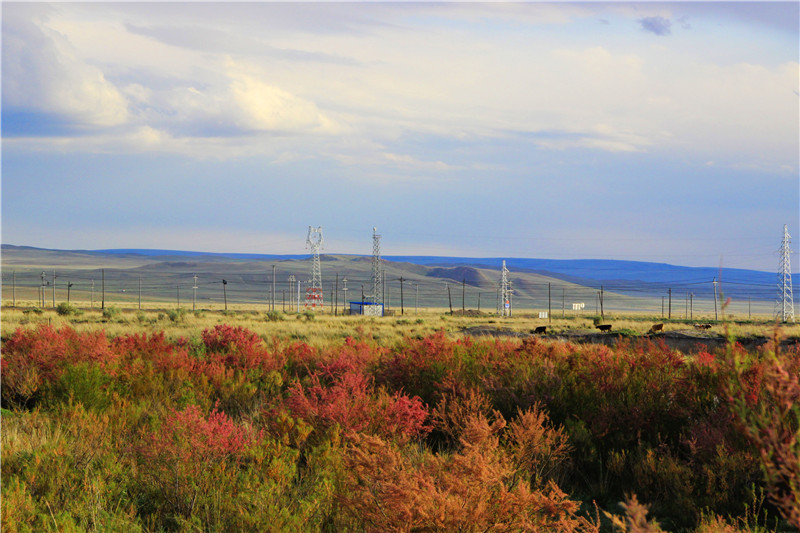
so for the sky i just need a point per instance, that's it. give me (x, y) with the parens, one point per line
(664, 132)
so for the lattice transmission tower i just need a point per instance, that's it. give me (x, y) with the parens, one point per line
(314, 296)
(377, 275)
(784, 306)
(504, 305)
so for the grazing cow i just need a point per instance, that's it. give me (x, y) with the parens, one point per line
(604, 327)
(656, 327)
(540, 329)
(702, 326)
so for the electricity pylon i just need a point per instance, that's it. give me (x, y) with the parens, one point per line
(504, 305)
(784, 306)
(377, 277)
(314, 296)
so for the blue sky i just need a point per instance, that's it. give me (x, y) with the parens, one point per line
(644, 131)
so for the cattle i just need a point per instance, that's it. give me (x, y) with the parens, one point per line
(702, 326)
(656, 327)
(540, 330)
(604, 327)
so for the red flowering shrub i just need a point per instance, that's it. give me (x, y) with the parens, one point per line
(238, 347)
(351, 402)
(33, 358)
(174, 457)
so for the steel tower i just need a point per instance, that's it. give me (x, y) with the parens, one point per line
(314, 296)
(504, 305)
(784, 306)
(377, 275)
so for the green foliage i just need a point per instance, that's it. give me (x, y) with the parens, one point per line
(176, 315)
(223, 431)
(66, 309)
(273, 316)
(111, 313)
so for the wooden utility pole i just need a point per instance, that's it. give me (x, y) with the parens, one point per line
(602, 315)
(13, 288)
(549, 305)
(715, 299)
(416, 299)
(178, 291)
(463, 295)
(54, 289)
(194, 294)
(449, 298)
(140, 293)
(336, 297)
(103, 300)
(273, 288)
(669, 313)
(402, 304)
(69, 286)
(225, 293)
(92, 294)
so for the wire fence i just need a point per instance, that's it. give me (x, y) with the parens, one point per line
(281, 289)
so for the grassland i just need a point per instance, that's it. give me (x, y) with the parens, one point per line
(322, 328)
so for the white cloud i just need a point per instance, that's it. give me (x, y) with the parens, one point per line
(42, 74)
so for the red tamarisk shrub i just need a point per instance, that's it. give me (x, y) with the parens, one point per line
(175, 459)
(32, 358)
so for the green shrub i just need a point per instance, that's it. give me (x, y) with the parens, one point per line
(176, 315)
(111, 312)
(66, 309)
(273, 316)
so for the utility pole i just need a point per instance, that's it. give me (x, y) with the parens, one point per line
(225, 293)
(344, 290)
(92, 294)
(140, 293)
(416, 298)
(602, 315)
(13, 288)
(479, 301)
(463, 295)
(54, 289)
(194, 294)
(669, 315)
(563, 302)
(336, 297)
(402, 304)
(273, 288)
(449, 298)
(715, 299)
(549, 305)
(103, 300)
(69, 286)
(178, 290)
(691, 306)
(662, 307)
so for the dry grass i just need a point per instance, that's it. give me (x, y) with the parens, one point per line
(324, 328)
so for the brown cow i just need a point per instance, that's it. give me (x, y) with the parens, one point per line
(604, 327)
(540, 329)
(656, 327)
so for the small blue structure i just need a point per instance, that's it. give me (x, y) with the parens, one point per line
(366, 308)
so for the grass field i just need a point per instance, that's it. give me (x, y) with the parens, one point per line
(322, 327)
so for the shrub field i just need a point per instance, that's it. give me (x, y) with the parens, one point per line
(227, 430)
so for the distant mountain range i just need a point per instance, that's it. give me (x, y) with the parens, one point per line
(636, 278)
